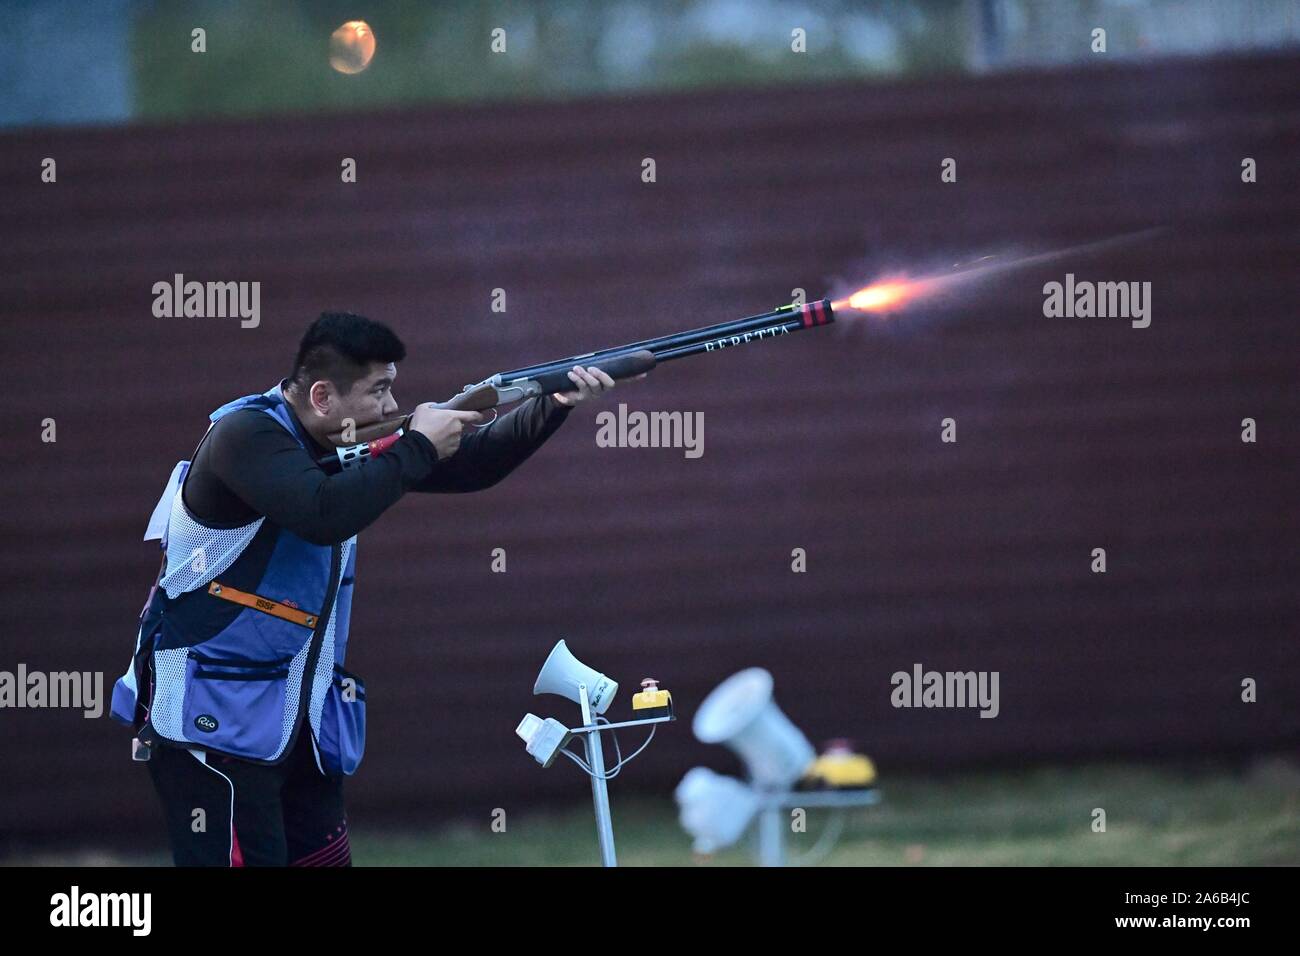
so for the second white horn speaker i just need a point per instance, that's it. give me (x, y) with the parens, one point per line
(741, 714)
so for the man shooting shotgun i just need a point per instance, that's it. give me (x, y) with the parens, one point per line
(236, 690)
(355, 446)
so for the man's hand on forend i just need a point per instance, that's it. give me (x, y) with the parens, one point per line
(591, 383)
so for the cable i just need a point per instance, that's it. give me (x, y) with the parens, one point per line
(618, 767)
(825, 841)
(653, 728)
(618, 754)
(576, 759)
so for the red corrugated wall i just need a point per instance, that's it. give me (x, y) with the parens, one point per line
(1072, 433)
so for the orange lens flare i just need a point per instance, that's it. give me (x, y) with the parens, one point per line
(880, 296)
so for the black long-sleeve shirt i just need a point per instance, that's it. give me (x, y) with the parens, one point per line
(248, 466)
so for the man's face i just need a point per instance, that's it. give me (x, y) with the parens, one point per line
(370, 400)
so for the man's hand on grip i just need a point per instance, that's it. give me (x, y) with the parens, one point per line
(443, 427)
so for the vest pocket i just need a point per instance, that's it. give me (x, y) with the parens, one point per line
(343, 724)
(235, 705)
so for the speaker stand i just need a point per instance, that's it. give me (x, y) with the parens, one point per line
(599, 786)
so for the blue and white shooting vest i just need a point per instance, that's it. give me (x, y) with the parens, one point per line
(246, 632)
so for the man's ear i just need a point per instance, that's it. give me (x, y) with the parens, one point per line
(321, 397)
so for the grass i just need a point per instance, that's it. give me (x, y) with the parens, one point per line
(1155, 816)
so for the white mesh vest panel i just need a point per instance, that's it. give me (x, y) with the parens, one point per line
(325, 663)
(169, 697)
(196, 553)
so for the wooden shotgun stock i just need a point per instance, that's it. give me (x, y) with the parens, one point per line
(479, 398)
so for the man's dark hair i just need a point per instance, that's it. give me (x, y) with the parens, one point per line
(339, 346)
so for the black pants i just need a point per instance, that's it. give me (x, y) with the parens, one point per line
(252, 814)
